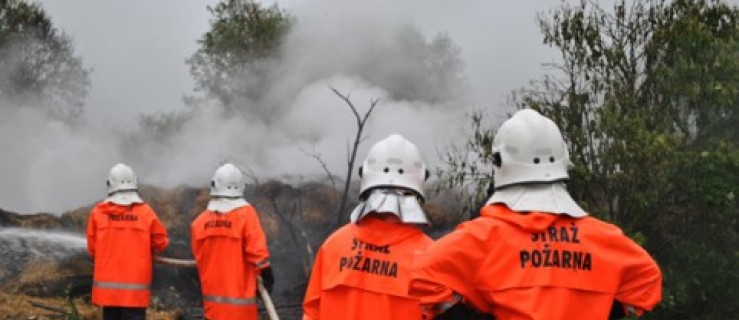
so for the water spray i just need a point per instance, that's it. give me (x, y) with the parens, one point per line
(58, 244)
(41, 243)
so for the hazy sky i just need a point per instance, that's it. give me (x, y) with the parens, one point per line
(137, 51)
(136, 48)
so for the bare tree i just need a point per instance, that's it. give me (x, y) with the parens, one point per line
(352, 151)
(291, 218)
(317, 156)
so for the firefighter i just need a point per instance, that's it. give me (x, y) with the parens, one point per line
(230, 249)
(534, 253)
(362, 270)
(122, 234)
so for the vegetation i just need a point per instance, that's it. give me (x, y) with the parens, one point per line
(646, 95)
(231, 65)
(38, 67)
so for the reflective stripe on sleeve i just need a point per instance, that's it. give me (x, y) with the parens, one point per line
(262, 264)
(227, 300)
(120, 285)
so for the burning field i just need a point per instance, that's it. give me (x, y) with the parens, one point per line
(45, 272)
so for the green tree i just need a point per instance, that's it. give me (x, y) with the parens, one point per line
(38, 67)
(646, 96)
(232, 62)
(469, 166)
(237, 58)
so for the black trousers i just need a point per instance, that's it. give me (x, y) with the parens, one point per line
(124, 313)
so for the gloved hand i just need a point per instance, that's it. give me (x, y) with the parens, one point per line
(457, 311)
(483, 316)
(618, 311)
(268, 279)
(463, 311)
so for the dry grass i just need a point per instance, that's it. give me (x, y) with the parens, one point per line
(16, 297)
(38, 272)
(43, 277)
(162, 315)
(18, 306)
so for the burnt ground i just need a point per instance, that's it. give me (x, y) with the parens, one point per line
(293, 217)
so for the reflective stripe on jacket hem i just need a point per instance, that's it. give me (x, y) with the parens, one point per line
(227, 300)
(120, 285)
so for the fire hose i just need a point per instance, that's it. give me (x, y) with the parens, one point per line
(266, 299)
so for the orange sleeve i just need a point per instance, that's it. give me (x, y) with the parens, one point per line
(641, 280)
(256, 242)
(91, 233)
(312, 300)
(449, 265)
(159, 239)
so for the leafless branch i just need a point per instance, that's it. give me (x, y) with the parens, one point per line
(296, 232)
(361, 121)
(317, 156)
(348, 103)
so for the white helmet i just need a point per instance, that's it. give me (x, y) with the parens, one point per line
(122, 185)
(227, 189)
(393, 162)
(529, 148)
(228, 182)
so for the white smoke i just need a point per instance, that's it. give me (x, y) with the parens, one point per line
(46, 166)
(317, 120)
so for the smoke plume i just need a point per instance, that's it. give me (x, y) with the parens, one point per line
(353, 47)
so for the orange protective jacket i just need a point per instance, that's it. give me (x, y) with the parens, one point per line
(537, 266)
(362, 272)
(121, 240)
(229, 249)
